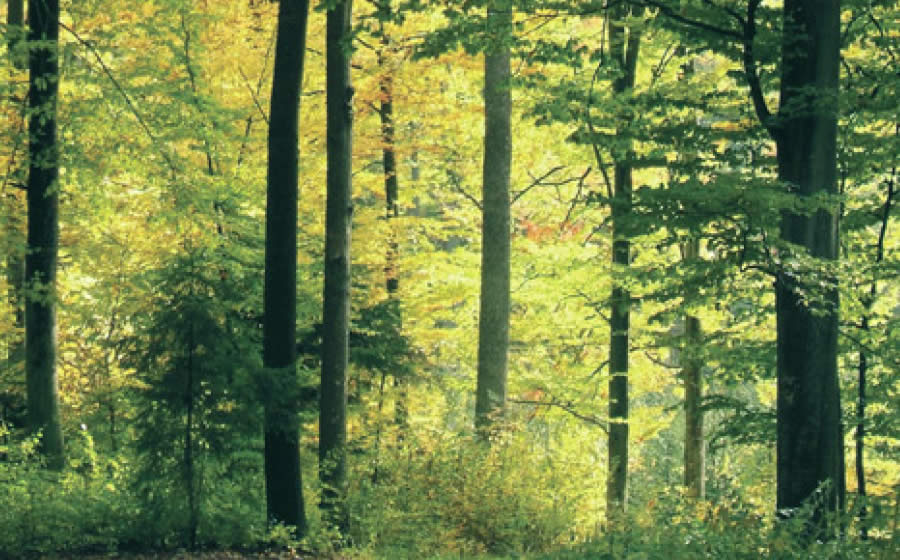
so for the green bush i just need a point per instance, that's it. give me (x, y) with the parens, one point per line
(462, 496)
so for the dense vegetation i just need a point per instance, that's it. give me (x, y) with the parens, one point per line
(451, 278)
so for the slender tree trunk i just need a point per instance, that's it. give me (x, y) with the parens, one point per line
(694, 445)
(810, 443)
(43, 231)
(863, 366)
(860, 437)
(336, 301)
(391, 196)
(625, 53)
(284, 498)
(493, 317)
(15, 207)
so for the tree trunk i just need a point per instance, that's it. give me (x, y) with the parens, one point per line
(694, 445)
(391, 194)
(43, 231)
(336, 301)
(625, 53)
(493, 316)
(284, 498)
(810, 443)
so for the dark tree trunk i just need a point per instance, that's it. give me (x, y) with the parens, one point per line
(493, 316)
(625, 53)
(284, 498)
(43, 230)
(810, 444)
(336, 300)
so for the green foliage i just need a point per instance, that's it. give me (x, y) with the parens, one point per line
(85, 509)
(198, 468)
(458, 495)
(677, 528)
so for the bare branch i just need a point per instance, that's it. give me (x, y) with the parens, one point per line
(567, 407)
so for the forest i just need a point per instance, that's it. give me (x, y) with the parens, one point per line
(539, 279)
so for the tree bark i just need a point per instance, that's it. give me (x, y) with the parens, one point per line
(810, 463)
(493, 316)
(625, 52)
(43, 230)
(336, 300)
(284, 499)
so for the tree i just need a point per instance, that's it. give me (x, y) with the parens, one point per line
(43, 230)
(810, 452)
(624, 40)
(336, 292)
(809, 438)
(284, 499)
(493, 316)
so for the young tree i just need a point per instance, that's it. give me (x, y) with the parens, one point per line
(43, 229)
(493, 317)
(336, 300)
(624, 40)
(284, 499)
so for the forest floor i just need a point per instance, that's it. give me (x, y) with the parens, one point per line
(216, 555)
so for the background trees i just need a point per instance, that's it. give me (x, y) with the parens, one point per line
(646, 197)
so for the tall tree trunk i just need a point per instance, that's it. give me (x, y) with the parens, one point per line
(493, 316)
(625, 52)
(284, 498)
(694, 445)
(336, 301)
(43, 230)
(810, 443)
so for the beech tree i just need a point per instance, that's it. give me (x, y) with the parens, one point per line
(43, 229)
(493, 316)
(284, 499)
(810, 443)
(625, 41)
(336, 293)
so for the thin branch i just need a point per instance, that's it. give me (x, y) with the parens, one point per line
(675, 16)
(537, 181)
(254, 96)
(581, 181)
(567, 407)
(752, 73)
(472, 199)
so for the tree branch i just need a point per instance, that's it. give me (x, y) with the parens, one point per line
(667, 11)
(752, 74)
(567, 407)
